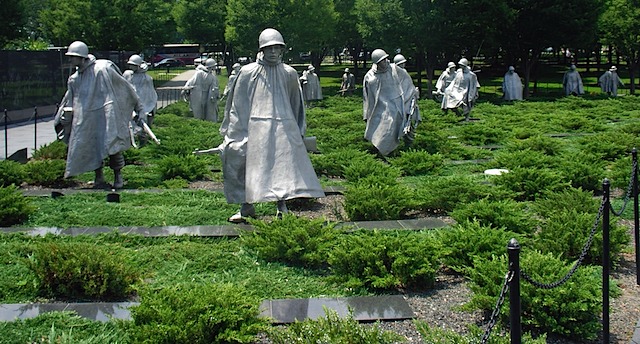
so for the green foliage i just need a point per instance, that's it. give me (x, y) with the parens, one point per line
(584, 170)
(525, 158)
(54, 150)
(62, 328)
(415, 163)
(568, 199)
(332, 329)
(293, 240)
(45, 172)
(538, 143)
(500, 214)
(196, 314)
(384, 261)
(610, 146)
(334, 163)
(11, 172)
(570, 309)
(82, 271)
(531, 183)
(167, 208)
(446, 193)
(188, 167)
(436, 335)
(565, 233)
(14, 207)
(481, 134)
(469, 240)
(374, 193)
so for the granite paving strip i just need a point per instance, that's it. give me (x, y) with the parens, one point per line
(365, 308)
(281, 311)
(636, 334)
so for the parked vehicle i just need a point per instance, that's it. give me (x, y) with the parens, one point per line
(167, 63)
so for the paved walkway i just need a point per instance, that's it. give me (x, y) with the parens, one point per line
(30, 135)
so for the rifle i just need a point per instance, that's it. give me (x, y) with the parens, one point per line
(407, 123)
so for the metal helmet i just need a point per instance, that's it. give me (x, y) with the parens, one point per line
(311, 67)
(270, 37)
(399, 59)
(210, 63)
(78, 48)
(378, 55)
(236, 65)
(463, 61)
(451, 65)
(135, 60)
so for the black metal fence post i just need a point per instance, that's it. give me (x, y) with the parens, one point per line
(513, 249)
(6, 141)
(35, 128)
(605, 262)
(636, 216)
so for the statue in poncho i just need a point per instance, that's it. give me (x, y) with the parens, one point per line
(95, 113)
(609, 81)
(232, 77)
(389, 104)
(203, 91)
(348, 84)
(462, 91)
(310, 83)
(572, 82)
(263, 155)
(143, 85)
(512, 85)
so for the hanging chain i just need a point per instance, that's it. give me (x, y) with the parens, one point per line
(634, 173)
(583, 254)
(496, 310)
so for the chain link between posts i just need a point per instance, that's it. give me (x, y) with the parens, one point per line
(627, 196)
(496, 310)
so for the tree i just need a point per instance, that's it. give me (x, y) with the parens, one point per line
(108, 25)
(306, 25)
(201, 21)
(619, 27)
(13, 15)
(537, 24)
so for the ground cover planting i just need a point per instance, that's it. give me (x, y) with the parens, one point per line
(557, 152)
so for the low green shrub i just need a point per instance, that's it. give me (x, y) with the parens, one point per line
(531, 183)
(436, 335)
(54, 150)
(385, 260)
(608, 146)
(377, 202)
(293, 240)
(565, 233)
(196, 314)
(583, 170)
(62, 328)
(14, 207)
(539, 143)
(526, 158)
(371, 171)
(45, 172)
(444, 194)
(12, 173)
(82, 271)
(499, 214)
(567, 199)
(481, 134)
(470, 240)
(188, 167)
(570, 309)
(332, 329)
(415, 163)
(333, 163)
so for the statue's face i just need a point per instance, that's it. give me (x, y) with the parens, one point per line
(383, 65)
(272, 53)
(76, 60)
